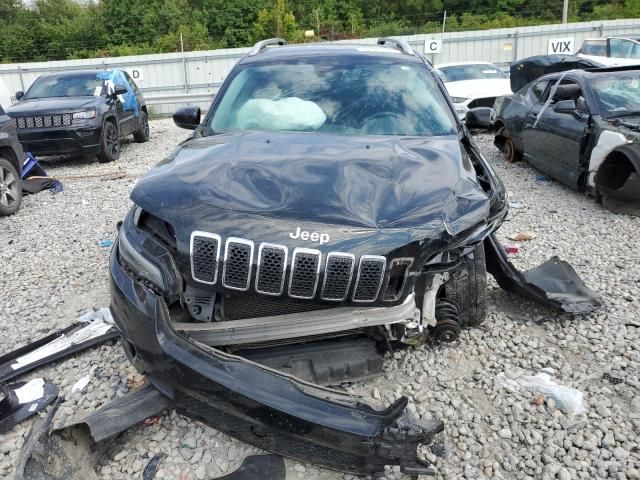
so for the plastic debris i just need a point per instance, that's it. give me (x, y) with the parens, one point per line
(569, 400)
(105, 243)
(102, 314)
(512, 249)
(151, 421)
(517, 205)
(96, 328)
(522, 236)
(80, 384)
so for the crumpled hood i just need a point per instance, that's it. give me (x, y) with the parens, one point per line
(48, 105)
(262, 186)
(481, 88)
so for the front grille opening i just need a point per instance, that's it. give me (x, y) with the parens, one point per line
(369, 279)
(396, 277)
(304, 276)
(272, 261)
(204, 257)
(337, 277)
(237, 264)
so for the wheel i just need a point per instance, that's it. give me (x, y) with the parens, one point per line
(110, 143)
(10, 188)
(468, 289)
(142, 134)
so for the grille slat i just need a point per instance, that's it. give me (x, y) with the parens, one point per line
(305, 268)
(238, 259)
(205, 254)
(337, 276)
(272, 264)
(370, 276)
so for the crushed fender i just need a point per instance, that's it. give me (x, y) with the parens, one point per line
(554, 283)
(93, 328)
(72, 452)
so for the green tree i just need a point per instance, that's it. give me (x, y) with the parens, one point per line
(277, 21)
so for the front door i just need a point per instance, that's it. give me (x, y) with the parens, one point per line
(553, 139)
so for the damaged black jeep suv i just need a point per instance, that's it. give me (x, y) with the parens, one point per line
(328, 207)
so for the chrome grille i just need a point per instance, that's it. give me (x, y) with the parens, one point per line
(205, 253)
(305, 267)
(238, 258)
(301, 273)
(272, 264)
(369, 280)
(337, 276)
(57, 120)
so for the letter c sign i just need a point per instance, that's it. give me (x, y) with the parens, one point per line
(432, 46)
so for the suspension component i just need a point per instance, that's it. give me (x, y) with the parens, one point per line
(447, 327)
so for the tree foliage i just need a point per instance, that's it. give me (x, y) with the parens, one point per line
(59, 29)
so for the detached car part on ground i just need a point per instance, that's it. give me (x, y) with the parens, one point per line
(11, 158)
(80, 113)
(329, 207)
(582, 127)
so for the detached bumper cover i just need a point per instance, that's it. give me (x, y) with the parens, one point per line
(258, 405)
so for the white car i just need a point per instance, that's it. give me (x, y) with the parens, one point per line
(473, 84)
(612, 51)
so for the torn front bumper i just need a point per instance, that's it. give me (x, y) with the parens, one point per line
(258, 405)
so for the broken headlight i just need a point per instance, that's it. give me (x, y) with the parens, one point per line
(147, 259)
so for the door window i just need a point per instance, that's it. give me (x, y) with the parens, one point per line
(597, 48)
(537, 90)
(621, 48)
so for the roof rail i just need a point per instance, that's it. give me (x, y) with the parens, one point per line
(399, 44)
(261, 45)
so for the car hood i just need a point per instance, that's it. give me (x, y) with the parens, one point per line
(265, 185)
(489, 87)
(44, 105)
(526, 71)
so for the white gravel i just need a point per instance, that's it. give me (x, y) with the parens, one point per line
(52, 269)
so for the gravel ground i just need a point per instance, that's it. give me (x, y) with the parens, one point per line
(53, 269)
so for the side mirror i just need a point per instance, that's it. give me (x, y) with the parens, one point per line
(565, 106)
(120, 90)
(19, 95)
(480, 118)
(187, 117)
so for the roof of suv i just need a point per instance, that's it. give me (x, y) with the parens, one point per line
(287, 52)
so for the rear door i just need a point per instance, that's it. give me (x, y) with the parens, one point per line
(554, 138)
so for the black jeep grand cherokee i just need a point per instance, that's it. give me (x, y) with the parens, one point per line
(329, 205)
(83, 112)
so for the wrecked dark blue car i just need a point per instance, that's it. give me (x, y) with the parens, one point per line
(80, 113)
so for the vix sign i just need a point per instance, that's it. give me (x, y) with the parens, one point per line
(560, 45)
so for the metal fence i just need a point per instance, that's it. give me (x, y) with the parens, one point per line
(171, 80)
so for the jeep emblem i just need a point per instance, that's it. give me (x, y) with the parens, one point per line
(313, 236)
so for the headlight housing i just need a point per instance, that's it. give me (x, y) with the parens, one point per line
(459, 99)
(85, 115)
(147, 259)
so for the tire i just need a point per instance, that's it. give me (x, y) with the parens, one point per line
(110, 143)
(507, 146)
(468, 289)
(142, 134)
(10, 188)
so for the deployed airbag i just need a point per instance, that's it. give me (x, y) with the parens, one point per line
(290, 113)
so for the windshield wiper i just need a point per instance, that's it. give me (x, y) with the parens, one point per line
(621, 123)
(629, 113)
